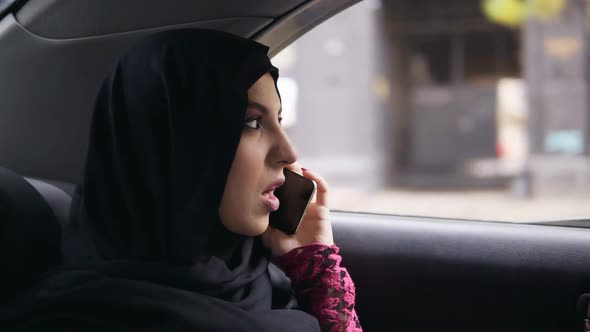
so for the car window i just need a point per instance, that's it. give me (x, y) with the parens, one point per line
(4, 4)
(464, 109)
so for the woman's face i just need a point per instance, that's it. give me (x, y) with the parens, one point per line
(263, 152)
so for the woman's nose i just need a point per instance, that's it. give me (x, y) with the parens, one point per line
(285, 153)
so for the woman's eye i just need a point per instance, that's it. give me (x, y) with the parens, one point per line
(253, 124)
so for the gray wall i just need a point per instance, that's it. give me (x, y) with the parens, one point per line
(342, 130)
(556, 72)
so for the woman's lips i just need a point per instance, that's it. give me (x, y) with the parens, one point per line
(268, 196)
(271, 201)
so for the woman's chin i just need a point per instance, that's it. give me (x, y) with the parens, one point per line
(257, 226)
(262, 225)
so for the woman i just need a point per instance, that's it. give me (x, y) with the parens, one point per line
(170, 229)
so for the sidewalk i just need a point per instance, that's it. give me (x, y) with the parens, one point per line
(492, 205)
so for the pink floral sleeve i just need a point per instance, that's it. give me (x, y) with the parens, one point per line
(323, 288)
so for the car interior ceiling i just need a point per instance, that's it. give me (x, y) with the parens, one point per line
(54, 53)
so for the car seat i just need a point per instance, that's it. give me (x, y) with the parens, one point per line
(31, 214)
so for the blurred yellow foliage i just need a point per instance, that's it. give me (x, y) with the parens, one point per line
(515, 12)
(546, 8)
(507, 12)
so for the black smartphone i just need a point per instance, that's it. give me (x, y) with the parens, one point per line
(294, 197)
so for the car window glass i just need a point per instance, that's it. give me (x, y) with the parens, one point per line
(461, 109)
(4, 4)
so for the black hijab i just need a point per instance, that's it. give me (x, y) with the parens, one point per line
(145, 248)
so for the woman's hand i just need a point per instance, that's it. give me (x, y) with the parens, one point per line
(315, 226)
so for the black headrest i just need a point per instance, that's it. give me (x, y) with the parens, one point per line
(56, 198)
(29, 234)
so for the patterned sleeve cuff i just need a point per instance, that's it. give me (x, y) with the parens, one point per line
(291, 262)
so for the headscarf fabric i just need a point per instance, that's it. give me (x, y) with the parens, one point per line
(145, 249)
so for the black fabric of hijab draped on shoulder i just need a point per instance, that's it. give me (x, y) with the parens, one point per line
(145, 249)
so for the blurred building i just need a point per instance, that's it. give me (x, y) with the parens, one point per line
(447, 60)
(430, 93)
(557, 74)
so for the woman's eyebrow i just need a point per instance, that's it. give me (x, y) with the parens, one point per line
(262, 108)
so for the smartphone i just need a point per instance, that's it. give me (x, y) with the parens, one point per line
(294, 197)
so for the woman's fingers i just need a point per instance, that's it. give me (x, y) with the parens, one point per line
(321, 196)
(322, 187)
(318, 212)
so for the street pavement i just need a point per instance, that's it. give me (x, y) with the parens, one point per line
(489, 205)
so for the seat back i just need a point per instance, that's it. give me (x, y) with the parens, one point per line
(56, 198)
(30, 231)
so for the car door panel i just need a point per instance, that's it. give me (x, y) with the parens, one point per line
(419, 274)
